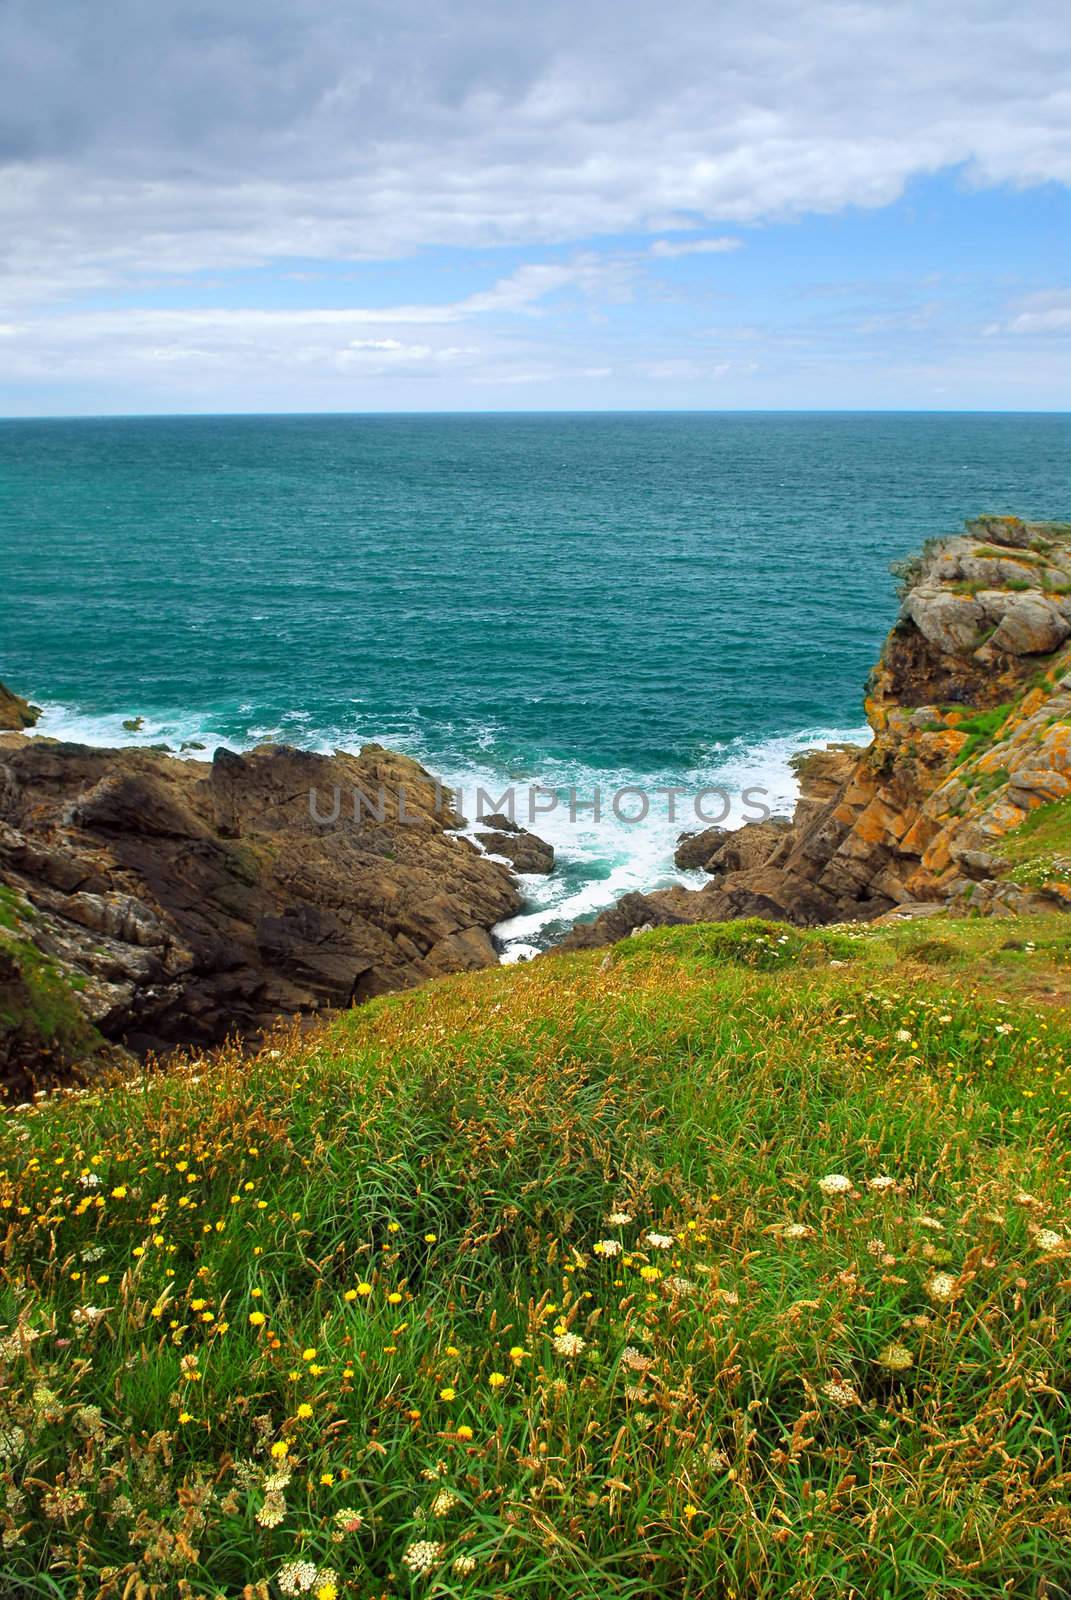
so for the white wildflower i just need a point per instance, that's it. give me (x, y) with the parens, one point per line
(422, 1556)
(569, 1344)
(297, 1577)
(834, 1183)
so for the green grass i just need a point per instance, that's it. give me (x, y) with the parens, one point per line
(801, 1393)
(1039, 849)
(982, 730)
(39, 1016)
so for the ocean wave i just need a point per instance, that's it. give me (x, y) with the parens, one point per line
(598, 861)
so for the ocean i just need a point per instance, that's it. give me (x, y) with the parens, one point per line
(581, 602)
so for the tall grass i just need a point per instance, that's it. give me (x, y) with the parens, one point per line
(529, 1284)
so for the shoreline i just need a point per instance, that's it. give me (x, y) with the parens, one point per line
(596, 864)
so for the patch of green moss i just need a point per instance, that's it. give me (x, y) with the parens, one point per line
(982, 729)
(41, 1022)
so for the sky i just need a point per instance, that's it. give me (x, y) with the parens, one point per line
(336, 205)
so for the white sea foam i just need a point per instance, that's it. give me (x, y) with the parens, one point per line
(597, 862)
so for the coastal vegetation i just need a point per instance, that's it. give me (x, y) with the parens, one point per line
(731, 1262)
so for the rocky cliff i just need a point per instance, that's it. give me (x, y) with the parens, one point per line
(958, 803)
(151, 901)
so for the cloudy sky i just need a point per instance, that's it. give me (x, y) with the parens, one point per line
(444, 204)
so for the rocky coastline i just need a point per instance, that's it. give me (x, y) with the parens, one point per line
(148, 902)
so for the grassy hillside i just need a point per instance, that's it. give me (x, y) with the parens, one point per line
(731, 1263)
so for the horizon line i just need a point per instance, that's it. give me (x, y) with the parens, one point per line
(546, 411)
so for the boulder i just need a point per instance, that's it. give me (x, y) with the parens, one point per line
(525, 851)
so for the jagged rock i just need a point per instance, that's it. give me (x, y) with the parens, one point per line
(694, 850)
(15, 712)
(526, 851)
(187, 900)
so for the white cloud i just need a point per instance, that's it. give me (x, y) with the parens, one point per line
(1044, 313)
(158, 140)
(669, 248)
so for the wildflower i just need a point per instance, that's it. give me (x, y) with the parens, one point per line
(796, 1230)
(297, 1577)
(618, 1219)
(279, 1450)
(350, 1294)
(880, 1182)
(325, 1584)
(364, 1289)
(941, 1286)
(1048, 1239)
(272, 1511)
(691, 1511)
(842, 1394)
(304, 1409)
(430, 1238)
(12, 1442)
(348, 1521)
(257, 1319)
(659, 1241)
(904, 1035)
(184, 1416)
(463, 1565)
(634, 1359)
(517, 1352)
(897, 1357)
(394, 1298)
(448, 1394)
(327, 1479)
(89, 1421)
(497, 1379)
(444, 1502)
(681, 1287)
(464, 1431)
(569, 1344)
(607, 1247)
(119, 1193)
(834, 1183)
(422, 1556)
(309, 1354)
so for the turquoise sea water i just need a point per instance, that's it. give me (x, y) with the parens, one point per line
(588, 600)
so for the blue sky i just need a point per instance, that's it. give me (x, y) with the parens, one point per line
(320, 207)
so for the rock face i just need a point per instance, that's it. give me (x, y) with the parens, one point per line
(970, 705)
(15, 712)
(185, 900)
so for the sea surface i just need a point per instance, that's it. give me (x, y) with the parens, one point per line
(579, 602)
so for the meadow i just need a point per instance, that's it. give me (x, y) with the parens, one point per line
(732, 1262)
